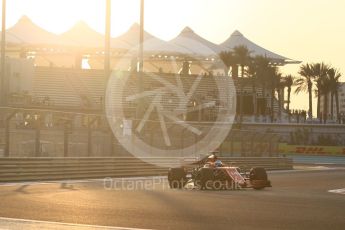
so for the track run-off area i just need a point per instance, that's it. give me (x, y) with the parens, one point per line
(310, 197)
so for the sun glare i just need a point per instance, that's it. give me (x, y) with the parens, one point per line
(59, 16)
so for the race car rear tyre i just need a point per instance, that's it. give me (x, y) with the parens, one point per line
(176, 184)
(218, 185)
(206, 178)
(197, 181)
(177, 177)
(258, 178)
(257, 173)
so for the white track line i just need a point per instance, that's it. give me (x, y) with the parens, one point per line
(299, 169)
(307, 169)
(338, 191)
(79, 181)
(17, 224)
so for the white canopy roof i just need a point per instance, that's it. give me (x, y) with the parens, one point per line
(194, 43)
(83, 35)
(26, 32)
(152, 44)
(237, 39)
(187, 42)
(131, 36)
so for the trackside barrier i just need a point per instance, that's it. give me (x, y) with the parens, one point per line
(37, 169)
(311, 150)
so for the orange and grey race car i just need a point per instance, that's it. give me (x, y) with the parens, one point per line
(207, 175)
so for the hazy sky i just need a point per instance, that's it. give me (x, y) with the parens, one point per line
(306, 30)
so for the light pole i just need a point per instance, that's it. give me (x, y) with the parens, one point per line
(141, 37)
(107, 44)
(141, 59)
(3, 55)
(107, 38)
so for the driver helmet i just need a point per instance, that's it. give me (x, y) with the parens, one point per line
(218, 163)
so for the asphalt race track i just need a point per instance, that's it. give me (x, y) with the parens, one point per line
(298, 200)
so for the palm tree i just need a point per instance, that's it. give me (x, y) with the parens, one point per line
(229, 60)
(289, 81)
(317, 93)
(273, 78)
(251, 73)
(305, 84)
(262, 66)
(338, 76)
(276, 87)
(243, 84)
(325, 90)
(280, 89)
(242, 55)
(319, 71)
(334, 77)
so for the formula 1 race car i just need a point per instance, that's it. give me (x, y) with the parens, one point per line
(219, 177)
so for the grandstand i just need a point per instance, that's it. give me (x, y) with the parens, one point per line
(66, 99)
(71, 88)
(85, 89)
(68, 88)
(60, 79)
(82, 91)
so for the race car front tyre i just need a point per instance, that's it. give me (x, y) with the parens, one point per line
(258, 178)
(177, 177)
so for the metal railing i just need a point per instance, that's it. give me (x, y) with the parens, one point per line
(36, 169)
(53, 133)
